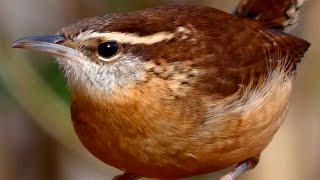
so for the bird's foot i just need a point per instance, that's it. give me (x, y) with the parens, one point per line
(126, 176)
(241, 169)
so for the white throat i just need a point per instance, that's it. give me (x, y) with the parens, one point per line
(90, 76)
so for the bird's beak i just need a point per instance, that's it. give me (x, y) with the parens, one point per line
(52, 44)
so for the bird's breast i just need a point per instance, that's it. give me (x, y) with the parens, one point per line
(145, 132)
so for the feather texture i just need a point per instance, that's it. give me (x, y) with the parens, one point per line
(277, 14)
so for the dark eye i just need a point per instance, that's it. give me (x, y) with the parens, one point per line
(108, 49)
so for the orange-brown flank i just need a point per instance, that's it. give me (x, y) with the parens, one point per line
(143, 131)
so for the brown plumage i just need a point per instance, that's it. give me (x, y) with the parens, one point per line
(276, 14)
(210, 94)
(151, 131)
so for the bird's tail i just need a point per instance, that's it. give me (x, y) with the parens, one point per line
(276, 14)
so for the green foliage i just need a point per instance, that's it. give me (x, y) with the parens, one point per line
(52, 75)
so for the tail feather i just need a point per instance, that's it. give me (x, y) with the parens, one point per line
(276, 14)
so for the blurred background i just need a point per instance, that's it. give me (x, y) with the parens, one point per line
(37, 141)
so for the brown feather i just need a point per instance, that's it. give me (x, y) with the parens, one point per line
(277, 14)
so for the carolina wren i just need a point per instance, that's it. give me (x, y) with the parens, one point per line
(178, 91)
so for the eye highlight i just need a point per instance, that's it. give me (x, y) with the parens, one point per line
(107, 50)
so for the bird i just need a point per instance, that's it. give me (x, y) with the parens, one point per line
(179, 90)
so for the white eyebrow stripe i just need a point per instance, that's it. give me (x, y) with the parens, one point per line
(127, 38)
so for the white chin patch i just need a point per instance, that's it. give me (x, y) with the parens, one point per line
(103, 77)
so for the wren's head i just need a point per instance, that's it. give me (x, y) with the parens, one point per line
(117, 51)
(108, 59)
